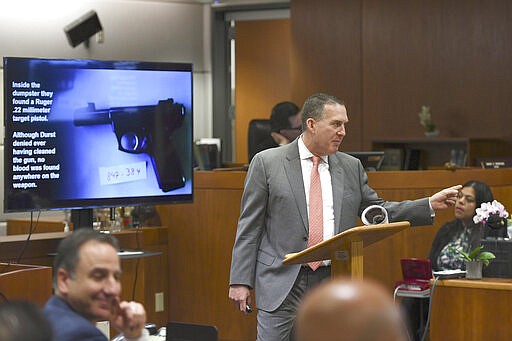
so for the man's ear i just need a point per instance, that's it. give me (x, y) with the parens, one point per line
(63, 279)
(310, 123)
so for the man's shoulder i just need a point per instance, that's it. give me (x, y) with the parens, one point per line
(279, 153)
(343, 156)
(69, 325)
(57, 308)
(56, 303)
(74, 333)
(344, 160)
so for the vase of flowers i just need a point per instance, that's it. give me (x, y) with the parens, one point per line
(425, 116)
(494, 216)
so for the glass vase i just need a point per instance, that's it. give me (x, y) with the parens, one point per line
(474, 269)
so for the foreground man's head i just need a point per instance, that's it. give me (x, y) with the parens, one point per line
(349, 310)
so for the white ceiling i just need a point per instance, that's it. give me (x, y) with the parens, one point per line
(227, 2)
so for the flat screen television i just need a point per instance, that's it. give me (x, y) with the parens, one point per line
(82, 134)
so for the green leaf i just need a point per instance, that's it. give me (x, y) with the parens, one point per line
(484, 257)
(461, 253)
(474, 253)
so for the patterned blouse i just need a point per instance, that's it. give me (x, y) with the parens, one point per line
(449, 259)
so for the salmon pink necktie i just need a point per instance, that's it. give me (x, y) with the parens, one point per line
(316, 217)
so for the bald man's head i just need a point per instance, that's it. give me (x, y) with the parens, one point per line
(349, 310)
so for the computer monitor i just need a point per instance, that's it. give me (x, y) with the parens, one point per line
(372, 161)
(81, 134)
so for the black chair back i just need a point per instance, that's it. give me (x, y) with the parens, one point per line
(258, 134)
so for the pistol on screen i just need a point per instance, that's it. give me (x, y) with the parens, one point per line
(144, 129)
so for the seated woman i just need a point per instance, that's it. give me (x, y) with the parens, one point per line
(461, 233)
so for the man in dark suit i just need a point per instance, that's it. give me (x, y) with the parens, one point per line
(86, 281)
(274, 214)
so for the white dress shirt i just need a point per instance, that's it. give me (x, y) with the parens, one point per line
(325, 179)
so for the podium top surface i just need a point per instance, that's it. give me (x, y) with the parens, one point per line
(365, 234)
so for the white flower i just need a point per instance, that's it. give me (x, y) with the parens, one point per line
(426, 119)
(487, 209)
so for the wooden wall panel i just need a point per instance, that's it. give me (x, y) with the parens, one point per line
(151, 273)
(201, 238)
(326, 56)
(262, 74)
(453, 56)
(388, 58)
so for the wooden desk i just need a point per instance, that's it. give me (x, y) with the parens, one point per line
(472, 310)
(22, 226)
(17, 282)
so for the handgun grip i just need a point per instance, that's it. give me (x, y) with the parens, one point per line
(168, 169)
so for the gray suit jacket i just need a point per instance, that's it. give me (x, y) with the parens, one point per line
(274, 222)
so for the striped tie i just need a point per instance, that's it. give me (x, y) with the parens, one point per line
(316, 217)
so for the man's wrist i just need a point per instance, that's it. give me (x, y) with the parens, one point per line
(432, 211)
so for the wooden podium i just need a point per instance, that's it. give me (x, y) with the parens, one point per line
(345, 250)
(31, 283)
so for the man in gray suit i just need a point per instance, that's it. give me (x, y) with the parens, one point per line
(274, 214)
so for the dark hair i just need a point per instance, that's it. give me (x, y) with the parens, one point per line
(69, 248)
(482, 192)
(280, 115)
(21, 320)
(314, 106)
